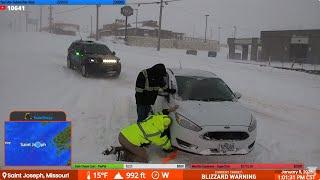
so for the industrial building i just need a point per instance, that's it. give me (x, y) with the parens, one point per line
(302, 46)
(245, 44)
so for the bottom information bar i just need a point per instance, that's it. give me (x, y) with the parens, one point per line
(162, 174)
(154, 166)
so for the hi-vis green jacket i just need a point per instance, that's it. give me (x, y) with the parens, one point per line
(149, 131)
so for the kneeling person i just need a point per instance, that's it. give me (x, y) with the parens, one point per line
(135, 137)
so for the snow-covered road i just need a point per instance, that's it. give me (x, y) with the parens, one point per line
(33, 75)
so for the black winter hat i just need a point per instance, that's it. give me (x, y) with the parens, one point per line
(159, 70)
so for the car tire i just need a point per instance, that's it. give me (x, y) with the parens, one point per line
(84, 71)
(117, 74)
(69, 65)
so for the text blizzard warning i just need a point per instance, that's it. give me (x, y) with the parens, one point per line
(228, 176)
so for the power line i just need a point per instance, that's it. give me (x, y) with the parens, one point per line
(71, 10)
(154, 2)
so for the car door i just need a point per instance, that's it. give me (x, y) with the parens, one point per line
(78, 53)
(70, 50)
(73, 53)
(163, 98)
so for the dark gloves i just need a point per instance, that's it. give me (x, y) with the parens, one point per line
(170, 91)
(171, 109)
(168, 150)
(146, 145)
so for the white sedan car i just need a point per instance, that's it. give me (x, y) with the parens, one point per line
(209, 120)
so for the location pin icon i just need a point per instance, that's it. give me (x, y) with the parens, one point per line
(4, 175)
(88, 175)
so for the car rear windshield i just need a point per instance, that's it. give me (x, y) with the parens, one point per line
(203, 89)
(96, 49)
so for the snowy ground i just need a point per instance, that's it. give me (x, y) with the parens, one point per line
(33, 75)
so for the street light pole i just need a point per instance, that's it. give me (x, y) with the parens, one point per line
(159, 30)
(91, 26)
(234, 31)
(27, 17)
(219, 34)
(50, 19)
(193, 31)
(205, 33)
(137, 11)
(40, 23)
(97, 23)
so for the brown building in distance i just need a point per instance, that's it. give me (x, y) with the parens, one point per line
(291, 45)
(143, 29)
(66, 29)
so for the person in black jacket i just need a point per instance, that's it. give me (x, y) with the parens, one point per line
(149, 83)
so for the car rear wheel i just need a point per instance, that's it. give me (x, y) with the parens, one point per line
(84, 71)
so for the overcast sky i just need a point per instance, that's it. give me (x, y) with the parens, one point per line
(188, 16)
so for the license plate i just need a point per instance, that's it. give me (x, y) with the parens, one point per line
(225, 147)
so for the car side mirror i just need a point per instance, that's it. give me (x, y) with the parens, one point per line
(237, 95)
(113, 53)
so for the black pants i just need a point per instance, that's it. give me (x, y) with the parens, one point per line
(143, 112)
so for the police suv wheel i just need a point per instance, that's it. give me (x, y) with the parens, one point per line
(69, 64)
(117, 74)
(84, 71)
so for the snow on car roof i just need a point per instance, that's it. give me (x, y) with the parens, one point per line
(192, 72)
(87, 42)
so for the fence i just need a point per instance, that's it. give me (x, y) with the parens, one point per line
(185, 43)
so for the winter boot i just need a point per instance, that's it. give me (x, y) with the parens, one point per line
(122, 155)
(112, 150)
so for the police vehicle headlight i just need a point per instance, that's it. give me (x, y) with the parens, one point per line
(91, 60)
(186, 123)
(110, 61)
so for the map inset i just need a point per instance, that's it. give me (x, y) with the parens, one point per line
(37, 143)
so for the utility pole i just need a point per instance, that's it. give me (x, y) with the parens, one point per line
(160, 21)
(40, 23)
(50, 19)
(160, 16)
(97, 23)
(90, 25)
(219, 34)
(234, 31)
(20, 21)
(137, 11)
(27, 15)
(211, 33)
(15, 23)
(205, 33)
(194, 27)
